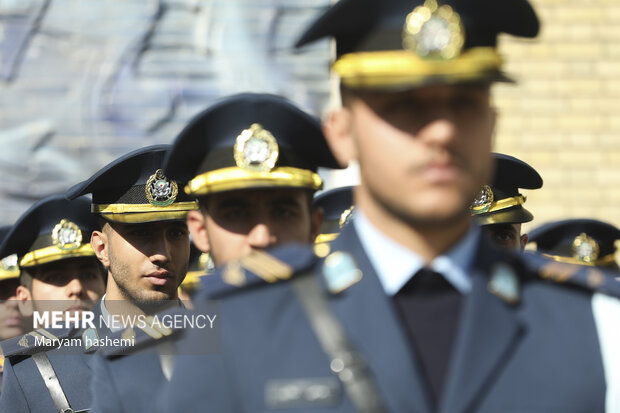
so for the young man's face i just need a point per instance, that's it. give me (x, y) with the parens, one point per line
(12, 322)
(147, 262)
(235, 223)
(73, 284)
(423, 154)
(506, 236)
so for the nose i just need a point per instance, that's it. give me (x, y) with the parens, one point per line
(439, 131)
(74, 288)
(161, 249)
(260, 236)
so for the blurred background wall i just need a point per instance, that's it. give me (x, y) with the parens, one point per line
(82, 82)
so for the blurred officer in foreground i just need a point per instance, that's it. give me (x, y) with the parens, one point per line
(412, 310)
(59, 271)
(251, 160)
(499, 207)
(586, 242)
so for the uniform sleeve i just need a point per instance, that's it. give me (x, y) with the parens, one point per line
(104, 395)
(12, 398)
(606, 311)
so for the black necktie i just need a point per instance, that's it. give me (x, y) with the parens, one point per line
(430, 308)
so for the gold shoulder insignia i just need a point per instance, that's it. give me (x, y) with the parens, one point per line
(23, 342)
(558, 271)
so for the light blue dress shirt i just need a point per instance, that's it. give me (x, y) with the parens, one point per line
(395, 264)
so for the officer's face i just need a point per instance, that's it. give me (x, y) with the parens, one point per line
(423, 154)
(11, 320)
(506, 236)
(72, 284)
(235, 223)
(146, 262)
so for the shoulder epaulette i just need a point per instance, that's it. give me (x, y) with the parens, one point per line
(35, 341)
(145, 333)
(588, 277)
(258, 268)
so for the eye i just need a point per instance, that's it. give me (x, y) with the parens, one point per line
(178, 233)
(504, 236)
(54, 278)
(235, 213)
(89, 275)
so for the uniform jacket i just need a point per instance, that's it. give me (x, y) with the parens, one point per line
(24, 388)
(547, 352)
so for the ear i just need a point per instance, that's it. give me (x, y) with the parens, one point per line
(524, 239)
(316, 219)
(196, 224)
(99, 242)
(24, 301)
(338, 130)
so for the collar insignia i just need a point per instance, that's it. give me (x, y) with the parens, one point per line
(434, 32)
(340, 271)
(504, 283)
(23, 342)
(234, 274)
(585, 248)
(256, 149)
(161, 191)
(66, 235)
(483, 201)
(90, 339)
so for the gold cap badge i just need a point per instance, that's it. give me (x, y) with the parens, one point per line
(585, 248)
(66, 235)
(434, 32)
(160, 191)
(256, 149)
(483, 201)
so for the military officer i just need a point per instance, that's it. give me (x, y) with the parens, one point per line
(12, 323)
(142, 239)
(499, 206)
(251, 160)
(412, 310)
(588, 242)
(57, 263)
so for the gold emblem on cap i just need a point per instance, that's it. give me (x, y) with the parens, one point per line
(433, 31)
(66, 235)
(345, 217)
(161, 191)
(9, 263)
(256, 149)
(483, 201)
(585, 248)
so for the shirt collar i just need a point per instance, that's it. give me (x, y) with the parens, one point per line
(107, 317)
(395, 264)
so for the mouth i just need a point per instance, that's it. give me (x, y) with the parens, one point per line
(78, 308)
(158, 278)
(13, 321)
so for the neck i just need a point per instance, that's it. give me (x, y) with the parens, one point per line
(427, 239)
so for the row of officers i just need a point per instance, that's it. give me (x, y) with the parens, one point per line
(411, 292)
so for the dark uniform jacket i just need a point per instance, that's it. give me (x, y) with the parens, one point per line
(547, 351)
(24, 388)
